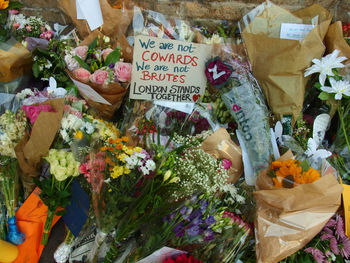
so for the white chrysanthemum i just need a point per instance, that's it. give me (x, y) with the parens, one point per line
(325, 65)
(340, 88)
(24, 93)
(71, 122)
(88, 128)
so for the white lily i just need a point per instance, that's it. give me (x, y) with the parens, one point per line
(340, 88)
(325, 65)
(52, 89)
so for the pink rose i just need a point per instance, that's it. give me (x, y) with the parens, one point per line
(123, 71)
(82, 74)
(106, 52)
(99, 76)
(81, 51)
(32, 111)
(226, 164)
(16, 25)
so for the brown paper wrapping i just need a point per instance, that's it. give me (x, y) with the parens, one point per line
(220, 146)
(335, 40)
(31, 149)
(279, 64)
(15, 59)
(116, 22)
(287, 219)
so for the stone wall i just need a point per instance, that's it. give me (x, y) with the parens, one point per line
(201, 9)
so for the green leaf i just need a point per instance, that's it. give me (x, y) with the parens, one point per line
(82, 63)
(35, 69)
(43, 51)
(93, 44)
(318, 85)
(113, 57)
(323, 96)
(305, 165)
(61, 212)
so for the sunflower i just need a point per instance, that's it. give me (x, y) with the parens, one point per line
(310, 176)
(286, 172)
(4, 4)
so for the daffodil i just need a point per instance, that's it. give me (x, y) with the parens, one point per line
(325, 66)
(340, 88)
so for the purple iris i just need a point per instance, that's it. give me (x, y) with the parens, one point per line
(204, 205)
(208, 235)
(179, 230)
(194, 230)
(111, 65)
(196, 213)
(210, 220)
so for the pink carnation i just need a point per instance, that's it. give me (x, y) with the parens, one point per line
(106, 52)
(99, 76)
(32, 111)
(82, 74)
(13, 11)
(226, 164)
(81, 51)
(123, 71)
(47, 35)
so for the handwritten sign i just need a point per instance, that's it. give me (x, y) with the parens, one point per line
(295, 31)
(168, 70)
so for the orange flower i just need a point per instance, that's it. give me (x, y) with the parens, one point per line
(110, 149)
(119, 146)
(103, 148)
(4, 4)
(125, 139)
(110, 141)
(286, 172)
(309, 176)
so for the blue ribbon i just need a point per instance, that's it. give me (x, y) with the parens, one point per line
(13, 235)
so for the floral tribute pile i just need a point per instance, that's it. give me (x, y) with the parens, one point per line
(251, 171)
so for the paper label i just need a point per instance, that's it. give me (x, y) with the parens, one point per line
(295, 31)
(168, 70)
(90, 92)
(160, 255)
(91, 11)
(80, 14)
(179, 106)
(320, 126)
(346, 203)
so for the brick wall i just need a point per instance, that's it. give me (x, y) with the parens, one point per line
(201, 9)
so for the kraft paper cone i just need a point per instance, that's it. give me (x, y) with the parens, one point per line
(279, 64)
(220, 145)
(288, 219)
(15, 59)
(116, 23)
(31, 149)
(335, 40)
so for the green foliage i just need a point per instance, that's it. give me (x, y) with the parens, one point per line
(113, 57)
(82, 63)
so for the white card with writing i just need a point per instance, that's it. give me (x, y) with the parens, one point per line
(295, 31)
(90, 92)
(168, 70)
(179, 106)
(91, 10)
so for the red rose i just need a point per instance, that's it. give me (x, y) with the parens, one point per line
(183, 258)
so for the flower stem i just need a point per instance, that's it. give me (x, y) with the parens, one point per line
(47, 226)
(341, 117)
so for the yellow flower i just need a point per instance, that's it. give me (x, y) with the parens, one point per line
(4, 4)
(122, 156)
(79, 135)
(126, 170)
(127, 150)
(138, 149)
(109, 190)
(117, 171)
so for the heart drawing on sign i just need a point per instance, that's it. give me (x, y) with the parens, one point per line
(195, 97)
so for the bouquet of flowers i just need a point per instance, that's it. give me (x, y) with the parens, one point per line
(100, 67)
(346, 31)
(23, 27)
(12, 130)
(55, 191)
(7, 7)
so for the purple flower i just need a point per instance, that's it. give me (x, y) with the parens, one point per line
(333, 244)
(217, 72)
(328, 230)
(197, 221)
(345, 247)
(193, 230)
(331, 223)
(194, 198)
(316, 253)
(179, 230)
(326, 236)
(339, 227)
(210, 220)
(111, 65)
(196, 213)
(208, 235)
(204, 205)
